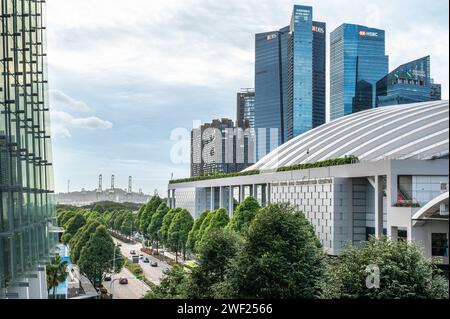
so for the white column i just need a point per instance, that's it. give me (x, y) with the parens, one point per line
(230, 201)
(378, 207)
(221, 205)
(212, 199)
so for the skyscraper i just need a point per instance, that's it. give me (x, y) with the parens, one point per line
(245, 106)
(27, 213)
(289, 80)
(409, 83)
(221, 147)
(358, 61)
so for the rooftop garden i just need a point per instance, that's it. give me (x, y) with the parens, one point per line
(326, 163)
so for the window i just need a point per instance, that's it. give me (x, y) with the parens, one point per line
(402, 234)
(439, 244)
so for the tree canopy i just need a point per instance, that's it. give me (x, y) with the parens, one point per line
(178, 231)
(157, 221)
(96, 257)
(193, 233)
(280, 258)
(244, 215)
(402, 270)
(215, 255)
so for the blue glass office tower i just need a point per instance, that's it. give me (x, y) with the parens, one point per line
(290, 79)
(409, 83)
(358, 61)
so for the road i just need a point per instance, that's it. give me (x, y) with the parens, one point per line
(135, 289)
(153, 274)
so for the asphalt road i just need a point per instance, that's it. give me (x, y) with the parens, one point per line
(135, 289)
(153, 274)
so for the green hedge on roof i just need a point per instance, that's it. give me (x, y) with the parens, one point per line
(326, 163)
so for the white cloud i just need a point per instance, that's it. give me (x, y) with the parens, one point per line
(62, 122)
(60, 100)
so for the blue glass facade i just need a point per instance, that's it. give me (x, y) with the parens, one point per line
(268, 90)
(409, 83)
(290, 79)
(358, 62)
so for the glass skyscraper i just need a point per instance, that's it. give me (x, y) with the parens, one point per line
(409, 83)
(245, 106)
(27, 211)
(358, 61)
(289, 80)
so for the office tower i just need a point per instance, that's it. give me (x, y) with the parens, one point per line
(245, 107)
(358, 61)
(436, 90)
(221, 147)
(289, 80)
(409, 83)
(27, 213)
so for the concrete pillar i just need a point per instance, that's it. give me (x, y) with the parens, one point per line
(212, 199)
(378, 207)
(230, 201)
(268, 194)
(221, 205)
(241, 193)
(254, 191)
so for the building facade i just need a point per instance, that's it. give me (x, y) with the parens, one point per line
(399, 186)
(436, 91)
(409, 83)
(357, 62)
(289, 80)
(245, 106)
(27, 212)
(221, 147)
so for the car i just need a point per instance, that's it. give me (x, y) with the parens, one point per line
(123, 281)
(132, 252)
(154, 264)
(107, 278)
(146, 260)
(141, 257)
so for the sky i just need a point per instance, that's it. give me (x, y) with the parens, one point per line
(129, 79)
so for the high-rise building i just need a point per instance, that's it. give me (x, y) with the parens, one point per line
(245, 106)
(221, 147)
(436, 91)
(289, 80)
(358, 61)
(27, 213)
(409, 83)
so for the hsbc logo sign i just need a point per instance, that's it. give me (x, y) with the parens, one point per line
(363, 33)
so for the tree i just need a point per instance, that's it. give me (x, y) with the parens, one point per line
(244, 215)
(216, 252)
(172, 285)
(82, 239)
(280, 258)
(178, 231)
(167, 220)
(202, 229)
(193, 234)
(65, 216)
(149, 210)
(119, 220)
(404, 273)
(127, 225)
(56, 274)
(97, 257)
(156, 223)
(219, 219)
(75, 223)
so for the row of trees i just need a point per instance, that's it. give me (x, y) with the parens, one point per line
(91, 247)
(273, 252)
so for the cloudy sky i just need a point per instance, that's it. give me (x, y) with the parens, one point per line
(124, 75)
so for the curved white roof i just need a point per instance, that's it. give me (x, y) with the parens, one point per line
(431, 207)
(415, 131)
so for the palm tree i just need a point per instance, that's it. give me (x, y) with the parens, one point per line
(56, 274)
